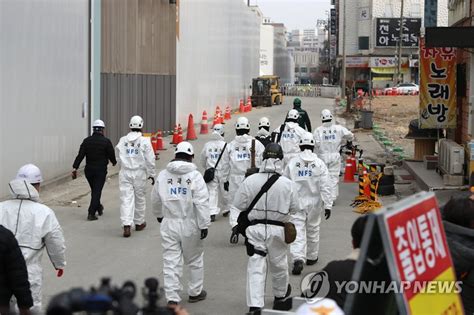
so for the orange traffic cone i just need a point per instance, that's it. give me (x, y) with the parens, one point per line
(191, 134)
(204, 124)
(354, 164)
(175, 135)
(241, 106)
(159, 141)
(180, 134)
(349, 172)
(154, 145)
(227, 115)
(216, 120)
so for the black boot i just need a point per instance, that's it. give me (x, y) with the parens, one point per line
(254, 311)
(283, 303)
(311, 262)
(91, 217)
(100, 211)
(297, 267)
(213, 217)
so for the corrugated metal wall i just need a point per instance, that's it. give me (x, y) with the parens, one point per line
(44, 85)
(125, 95)
(138, 64)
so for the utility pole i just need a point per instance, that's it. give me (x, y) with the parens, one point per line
(343, 85)
(400, 45)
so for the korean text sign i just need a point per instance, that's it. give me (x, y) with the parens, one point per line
(437, 87)
(421, 257)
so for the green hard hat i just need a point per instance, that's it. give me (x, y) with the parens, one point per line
(297, 101)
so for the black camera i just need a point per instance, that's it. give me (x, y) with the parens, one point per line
(109, 300)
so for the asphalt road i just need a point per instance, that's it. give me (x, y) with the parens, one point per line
(97, 249)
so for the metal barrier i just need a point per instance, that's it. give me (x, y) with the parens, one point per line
(303, 90)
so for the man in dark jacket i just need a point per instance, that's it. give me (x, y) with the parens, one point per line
(341, 270)
(98, 151)
(303, 120)
(13, 274)
(458, 222)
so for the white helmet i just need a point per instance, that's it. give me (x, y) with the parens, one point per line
(307, 139)
(184, 147)
(326, 115)
(293, 114)
(98, 124)
(264, 122)
(31, 173)
(136, 122)
(242, 123)
(219, 129)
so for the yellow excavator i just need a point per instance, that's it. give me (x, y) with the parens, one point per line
(266, 91)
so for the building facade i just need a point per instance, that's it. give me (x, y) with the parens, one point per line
(371, 41)
(460, 15)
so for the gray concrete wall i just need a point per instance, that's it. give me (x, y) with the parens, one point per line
(44, 85)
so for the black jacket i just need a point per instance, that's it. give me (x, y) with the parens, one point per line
(98, 151)
(13, 272)
(461, 245)
(339, 271)
(303, 120)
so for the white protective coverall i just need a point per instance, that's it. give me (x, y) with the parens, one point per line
(328, 139)
(290, 140)
(137, 161)
(277, 204)
(35, 227)
(235, 163)
(312, 181)
(209, 156)
(181, 198)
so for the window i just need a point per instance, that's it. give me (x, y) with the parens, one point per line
(363, 43)
(297, 69)
(313, 70)
(304, 70)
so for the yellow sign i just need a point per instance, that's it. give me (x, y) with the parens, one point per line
(437, 86)
(441, 296)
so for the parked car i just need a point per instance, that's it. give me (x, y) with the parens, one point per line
(404, 88)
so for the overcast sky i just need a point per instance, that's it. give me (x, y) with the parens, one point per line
(296, 14)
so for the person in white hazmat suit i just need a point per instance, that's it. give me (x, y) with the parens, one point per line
(265, 234)
(328, 139)
(263, 134)
(209, 156)
(235, 163)
(35, 227)
(312, 181)
(181, 204)
(137, 164)
(291, 133)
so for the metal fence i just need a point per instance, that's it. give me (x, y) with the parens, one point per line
(302, 90)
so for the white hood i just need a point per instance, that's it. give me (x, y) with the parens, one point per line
(21, 189)
(180, 167)
(216, 136)
(243, 139)
(271, 166)
(133, 135)
(292, 125)
(308, 156)
(262, 132)
(327, 124)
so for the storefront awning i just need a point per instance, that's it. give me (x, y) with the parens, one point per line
(382, 79)
(387, 70)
